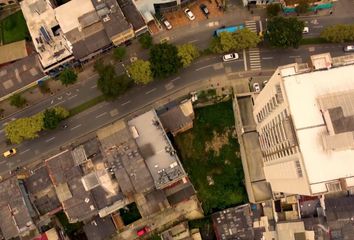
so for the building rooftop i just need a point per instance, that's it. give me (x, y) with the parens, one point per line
(156, 149)
(14, 216)
(310, 94)
(48, 38)
(13, 51)
(42, 192)
(234, 223)
(99, 228)
(77, 203)
(133, 15)
(19, 74)
(178, 232)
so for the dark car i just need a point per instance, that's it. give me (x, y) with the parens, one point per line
(204, 9)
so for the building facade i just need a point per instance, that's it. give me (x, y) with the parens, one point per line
(305, 119)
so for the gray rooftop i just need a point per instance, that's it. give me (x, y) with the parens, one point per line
(66, 177)
(42, 192)
(19, 74)
(133, 15)
(99, 228)
(14, 215)
(124, 159)
(234, 223)
(156, 149)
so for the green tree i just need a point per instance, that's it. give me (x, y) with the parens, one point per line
(17, 100)
(146, 40)
(140, 72)
(338, 33)
(284, 32)
(273, 9)
(302, 7)
(109, 83)
(61, 112)
(188, 53)
(24, 128)
(238, 40)
(119, 53)
(68, 76)
(50, 120)
(164, 60)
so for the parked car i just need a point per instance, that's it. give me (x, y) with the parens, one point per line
(306, 30)
(204, 10)
(189, 14)
(10, 152)
(230, 57)
(143, 231)
(167, 24)
(348, 48)
(256, 87)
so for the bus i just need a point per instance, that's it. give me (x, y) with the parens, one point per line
(230, 29)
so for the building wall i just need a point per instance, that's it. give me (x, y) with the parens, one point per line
(283, 164)
(148, 5)
(123, 36)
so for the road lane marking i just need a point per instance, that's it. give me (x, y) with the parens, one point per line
(294, 56)
(123, 104)
(267, 58)
(23, 152)
(71, 97)
(175, 79)
(150, 91)
(58, 103)
(50, 139)
(101, 115)
(201, 68)
(94, 86)
(193, 41)
(77, 126)
(244, 59)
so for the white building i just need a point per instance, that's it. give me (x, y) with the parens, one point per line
(305, 122)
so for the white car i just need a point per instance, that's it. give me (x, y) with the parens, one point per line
(306, 30)
(189, 14)
(167, 24)
(256, 87)
(230, 57)
(348, 48)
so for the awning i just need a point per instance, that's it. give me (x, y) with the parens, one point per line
(148, 17)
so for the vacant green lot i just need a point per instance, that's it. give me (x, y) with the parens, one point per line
(14, 28)
(210, 155)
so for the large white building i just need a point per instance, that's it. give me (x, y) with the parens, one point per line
(305, 122)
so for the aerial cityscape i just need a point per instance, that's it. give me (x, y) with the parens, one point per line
(177, 119)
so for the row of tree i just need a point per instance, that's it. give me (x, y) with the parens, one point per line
(338, 33)
(29, 127)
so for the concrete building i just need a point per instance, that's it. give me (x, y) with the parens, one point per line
(149, 7)
(289, 231)
(305, 119)
(48, 38)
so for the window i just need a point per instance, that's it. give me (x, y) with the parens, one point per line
(298, 169)
(333, 187)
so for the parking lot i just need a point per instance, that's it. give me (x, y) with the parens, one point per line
(179, 18)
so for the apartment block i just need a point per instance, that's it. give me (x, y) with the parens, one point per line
(305, 123)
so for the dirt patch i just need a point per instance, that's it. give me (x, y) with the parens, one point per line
(218, 141)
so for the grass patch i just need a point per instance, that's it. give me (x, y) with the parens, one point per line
(14, 28)
(210, 155)
(130, 213)
(86, 105)
(69, 228)
(314, 40)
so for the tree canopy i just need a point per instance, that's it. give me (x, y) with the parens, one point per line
(17, 100)
(188, 52)
(109, 83)
(273, 9)
(119, 53)
(284, 32)
(239, 40)
(302, 7)
(28, 128)
(145, 40)
(338, 33)
(140, 72)
(164, 60)
(68, 76)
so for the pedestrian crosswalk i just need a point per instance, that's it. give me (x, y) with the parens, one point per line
(255, 59)
(251, 25)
